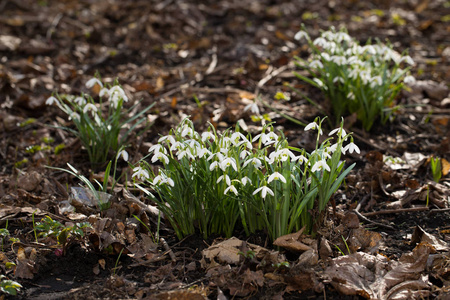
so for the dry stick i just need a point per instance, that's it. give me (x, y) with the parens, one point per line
(358, 207)
(435, 211)
(271, 74)
(395, 211)
(173, 258)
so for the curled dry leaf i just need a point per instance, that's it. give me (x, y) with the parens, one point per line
(374, 277)
(421, 236)
(293, 242)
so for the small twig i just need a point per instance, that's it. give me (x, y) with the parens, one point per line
(271, 74)
(373, 222)
(173, 258)
(435, 211)
(52, 28)
(395, 211)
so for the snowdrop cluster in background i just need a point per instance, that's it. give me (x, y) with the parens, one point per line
(355, 79)
(212, 182)
(98, 123)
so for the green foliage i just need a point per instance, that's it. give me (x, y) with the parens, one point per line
(436, 168)
(10, 287)
(355, 79)
(62, 234)
(213, 181)
(98, 125)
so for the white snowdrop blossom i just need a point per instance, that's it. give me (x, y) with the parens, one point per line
(124, 155)
(208, 136)
(161, 157)
(332, 148)
(140, 173)
(338, 79)
(162, 179)
(74, 116)
(319, 82)
(276, 176)
(316, 64)
(339, 130)
(351, 147)
(319, 165)
(202, 152)
(409, 79)
(253, 107)
(244, 154)
(231, 188)
(157, 148)
(224, 177)
(93, 81)
(376, 80)
(254, 161)
(186, 152)
(116, 93)
(168, 138)
(227, 162)
(214, 165)
(80, 101)
(244, 180)
(301, 34)
(321, 42)
(264, 191)
(283, 155)
(90, 107)
(313, 125)
(51, 100)
(339, 60)
(408, 60)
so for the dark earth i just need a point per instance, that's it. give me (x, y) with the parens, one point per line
(201, 59)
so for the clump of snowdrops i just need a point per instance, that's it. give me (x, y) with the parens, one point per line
(355, 79)
(214, 181)
(98, 123)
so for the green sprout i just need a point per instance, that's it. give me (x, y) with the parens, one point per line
(436, 168)
(8, 286)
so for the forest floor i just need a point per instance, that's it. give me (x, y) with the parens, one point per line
(209, 60)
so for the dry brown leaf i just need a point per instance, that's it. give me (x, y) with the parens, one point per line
(292, 242)
(421, 236)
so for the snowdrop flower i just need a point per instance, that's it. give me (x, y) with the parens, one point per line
(186, 130)
(214, 165)
(365, 76)
(170, 138)
(313, 125)
(267, 138)
(90, 107)
(51, 100)
(339, 130)
(231, 188)
(316, 64)
(264, 191)
(207, 136)
(409, 79)
(321, 42)
(351, 96)
(161, 157)
(301, 34)
(276, 176)
(124, 155)
(254, 161)
(103, 91)
(408, 60)
(227, 162)
(339, 60)
(302, 159)
(338, 79)
(74, 116)
(283, 155)
(236, 136)
(376, 80)
(342, 36)
(351, 147)
(202, 152)
(244, 180)
(318, 81)
(244, 154)
(253, 107)
(319, 165)
(186, 152)
(157, 148)
(332, 148)
(80, 101)
(325, 56)
(226, 178)
(161, 179)
(140, 173)
(93, 81)
(116, 93)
